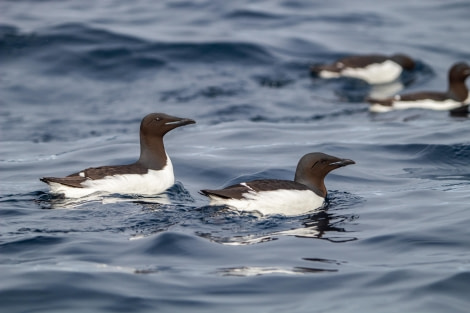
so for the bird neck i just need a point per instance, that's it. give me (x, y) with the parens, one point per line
(458, 90)
(152, 152)
(316, 184)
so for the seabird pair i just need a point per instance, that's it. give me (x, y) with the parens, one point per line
(381, 69)
(153, 174)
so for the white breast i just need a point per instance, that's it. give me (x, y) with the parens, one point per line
(151, 183)
(285, 202)
(377, 73)
(467, 101)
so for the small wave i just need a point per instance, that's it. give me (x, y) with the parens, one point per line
(233, 52)
(251, 14)
(273, 82)
(451, 286)
(97, 52)
(456, 155)
(31, 243)
(64, 35)
(78, 48)
(315, 117)
(363, 19)
(211, 92)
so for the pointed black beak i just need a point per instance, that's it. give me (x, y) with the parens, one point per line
(181, 122)
(342, 162)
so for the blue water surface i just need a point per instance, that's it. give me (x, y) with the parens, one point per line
(77, 77)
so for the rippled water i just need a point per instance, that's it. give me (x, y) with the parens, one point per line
(77, 78)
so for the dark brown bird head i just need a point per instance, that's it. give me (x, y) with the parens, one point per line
(152, 129)
(457, 75)
(313, 168)
(158, 124)
(459, 72)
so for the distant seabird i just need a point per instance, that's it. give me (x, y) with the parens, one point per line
(455, 98)
(374, 68)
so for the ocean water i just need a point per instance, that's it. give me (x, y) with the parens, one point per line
(76, 78)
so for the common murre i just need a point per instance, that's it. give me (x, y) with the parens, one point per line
(373, 68)
(151, 174)
(455, 98)
(305, 193)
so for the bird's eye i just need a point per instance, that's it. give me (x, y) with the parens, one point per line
(157, 119)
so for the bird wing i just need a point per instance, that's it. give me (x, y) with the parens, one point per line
(385, 102)
(103, 171)
(362, 60)
(437, 96)
(325, 67)
(76, 179)
(237, 191)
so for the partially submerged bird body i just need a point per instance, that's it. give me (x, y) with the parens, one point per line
(374, 69)
(456, 97)
(114, 179)
(249, 197)
(271, 196)
(151, 174)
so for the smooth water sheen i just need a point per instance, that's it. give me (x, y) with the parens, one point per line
(76, 79)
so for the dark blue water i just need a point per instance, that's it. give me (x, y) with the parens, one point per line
(76, 79)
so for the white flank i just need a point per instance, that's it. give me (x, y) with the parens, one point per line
(151, 183)
(467, 101)
(419, 104)
(378, 108)
(329, 74)
(285, 202)
(377, 73)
